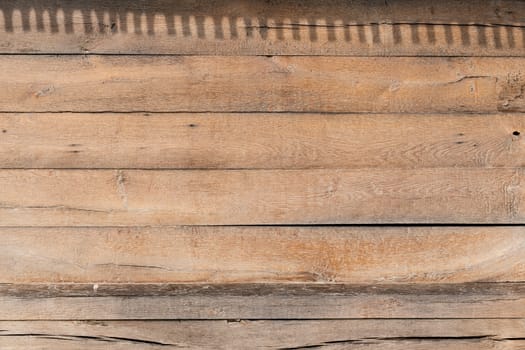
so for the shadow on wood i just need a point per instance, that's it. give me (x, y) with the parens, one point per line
(339, 21)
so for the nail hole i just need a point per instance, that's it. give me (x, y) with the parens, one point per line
(4, 131)
(516, 133)
(192, 125)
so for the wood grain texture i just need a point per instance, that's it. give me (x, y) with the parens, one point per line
(260, 141)
(263, 254)
(44, 343)
(153, 152)
(244, 334)
(69, 343)
(239, 197)
(250, 27)
(261, 84)
(260, 301)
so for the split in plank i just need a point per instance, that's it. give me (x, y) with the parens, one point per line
(261, 84)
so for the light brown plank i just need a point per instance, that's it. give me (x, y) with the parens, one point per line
(237, 197)
(43, 343)
(263, 254)
(260, 141)
(259, 84)
(250, 27)
(368, 334)
(260, 301)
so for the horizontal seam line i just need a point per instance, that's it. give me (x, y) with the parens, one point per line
(458, 113)
(451, 225)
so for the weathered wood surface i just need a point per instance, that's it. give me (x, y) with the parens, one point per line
(44, 343)
(274, 334)
(261, 84)
(260, 301)
(260, 141)
(356, 140)
(250, 197)
(249, 27)
(263, 254)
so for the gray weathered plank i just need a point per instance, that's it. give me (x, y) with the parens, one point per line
(260, 301)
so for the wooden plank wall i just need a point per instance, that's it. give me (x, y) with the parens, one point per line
(246, 174)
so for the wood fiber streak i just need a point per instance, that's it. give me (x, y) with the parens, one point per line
(250, 27)
(261, 84)
(263, 254)
(242, 197)
(260, 301)
(260, 141)
(243, 334)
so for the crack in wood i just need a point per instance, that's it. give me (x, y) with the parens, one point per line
(69, 337)
(52, 207)
(133, 266)
(470, 77)
(376, 340)
(295, 25)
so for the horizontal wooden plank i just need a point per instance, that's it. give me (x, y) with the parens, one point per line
(250, 197)
(26, 343)
(260, 301)
(261, 84)
(38, 342)
(274, 334)
(250, 27)
(263, 254)
(260, 141)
